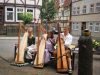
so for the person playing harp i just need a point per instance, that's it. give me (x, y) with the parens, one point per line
(62, 51)
(67, 39)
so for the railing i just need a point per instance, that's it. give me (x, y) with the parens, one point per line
(13, 30)
(9, 30)
(3, 30)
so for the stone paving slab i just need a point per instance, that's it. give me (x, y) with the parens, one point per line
(7, 69)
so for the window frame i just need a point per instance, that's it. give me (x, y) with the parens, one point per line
(84, 10)
(74, 11)
(97, 6)
(19, 12)
(8, 12)
(75, 26)
(91, 26)
(78, 10)
(97, 27)
(31, 12)
(92, 9)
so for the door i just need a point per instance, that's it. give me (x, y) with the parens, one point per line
(83, 27)
(1, 15)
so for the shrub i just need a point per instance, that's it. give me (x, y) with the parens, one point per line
(27, 18)
(95, 43)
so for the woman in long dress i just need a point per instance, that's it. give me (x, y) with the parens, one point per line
(49, 49)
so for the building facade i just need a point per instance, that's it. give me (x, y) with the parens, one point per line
(64, 12)
(86, 15)
(10, 10)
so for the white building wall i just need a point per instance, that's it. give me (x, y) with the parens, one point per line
(37, 15)
(19, 1)
(29, 2)
(89, 17)
(32, 2)
(1, 1)
(10, 1)
(40, 3)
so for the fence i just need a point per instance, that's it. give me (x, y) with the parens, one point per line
(12, 30)
(3, 30)
(9, 30)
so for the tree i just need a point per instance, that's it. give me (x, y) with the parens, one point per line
(26, 18)
(48, 10)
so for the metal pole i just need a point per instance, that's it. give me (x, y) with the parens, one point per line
(47, 17)
(63, 16)
(70, 22)
(34, 26)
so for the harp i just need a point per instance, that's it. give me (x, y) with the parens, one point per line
(22, 44)
(62, 62)
(39, 59)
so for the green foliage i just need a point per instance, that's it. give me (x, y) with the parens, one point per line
(48, 10)
(26, 17)
(95, 43)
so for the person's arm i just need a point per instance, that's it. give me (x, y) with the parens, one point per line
(62, 36)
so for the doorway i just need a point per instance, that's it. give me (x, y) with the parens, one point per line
(83, 27)
(1, 15)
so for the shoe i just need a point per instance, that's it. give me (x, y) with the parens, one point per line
(32, 63)
(52, 58)
(70, 71)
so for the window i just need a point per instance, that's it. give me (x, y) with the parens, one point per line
(84, 9)
(29, 10)
(19, 12)
(97, 7)
(75, 25)
(74, 11)
(96, 27)
(92, 8)
(91, 27)
(1, 14)
(78, 10)
(62, 1)
(9, 14)
(66, 13)
(60, 14)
